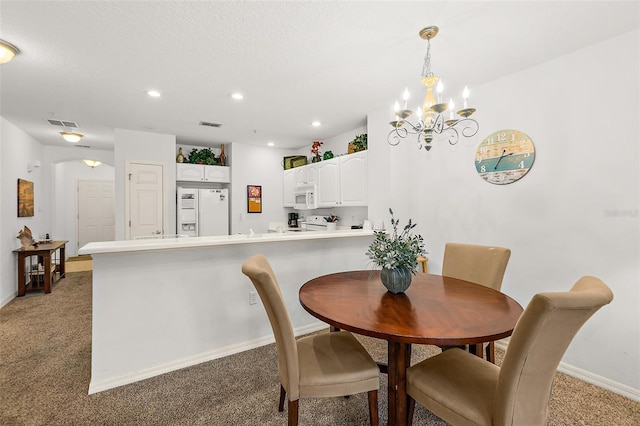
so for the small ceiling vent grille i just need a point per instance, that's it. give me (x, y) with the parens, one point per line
(63, 123)
(208, 124)
(82, 146)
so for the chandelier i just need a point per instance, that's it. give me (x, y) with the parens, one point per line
(430, 116)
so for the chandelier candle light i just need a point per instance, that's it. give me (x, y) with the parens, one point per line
(432, 109)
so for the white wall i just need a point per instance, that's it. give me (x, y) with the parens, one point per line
(132, 146)
(577, 211)
(254, 165)
(17, 150)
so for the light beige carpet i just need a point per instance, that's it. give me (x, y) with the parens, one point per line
(45, 367)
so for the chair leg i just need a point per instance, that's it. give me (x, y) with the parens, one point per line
(411, 405)
(283, 393)
(293, 413)
(373, 407)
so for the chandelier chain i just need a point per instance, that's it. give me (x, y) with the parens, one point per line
(426, 68)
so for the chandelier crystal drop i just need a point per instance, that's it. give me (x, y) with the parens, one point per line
(430, 116)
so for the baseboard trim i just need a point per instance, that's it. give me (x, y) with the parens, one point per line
(7, 299)
(594, 379)
(135, 376)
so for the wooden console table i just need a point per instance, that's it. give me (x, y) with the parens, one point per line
(50, 256)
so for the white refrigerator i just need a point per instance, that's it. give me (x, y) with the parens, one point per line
(202, 212)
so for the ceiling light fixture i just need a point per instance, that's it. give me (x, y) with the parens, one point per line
(153, 93)
(432, 109)
(7, 51)
(92, 163)
(237, 96)
(316, 124)
(270, 144)
(71, 136)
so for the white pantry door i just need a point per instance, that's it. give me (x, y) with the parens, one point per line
(146, 200)
(96, 211)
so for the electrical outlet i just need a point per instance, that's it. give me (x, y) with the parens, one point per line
(253, 297)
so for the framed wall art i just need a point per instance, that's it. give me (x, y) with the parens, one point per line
(25, 198)
(254, 199)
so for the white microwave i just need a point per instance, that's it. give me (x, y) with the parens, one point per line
(305, 198)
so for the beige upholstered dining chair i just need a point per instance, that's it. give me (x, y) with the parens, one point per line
(484, 265)
(316, 366)
(463, 389)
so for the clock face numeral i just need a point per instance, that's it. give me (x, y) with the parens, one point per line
(504, 156)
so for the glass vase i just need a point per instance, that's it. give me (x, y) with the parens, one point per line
(396, 280)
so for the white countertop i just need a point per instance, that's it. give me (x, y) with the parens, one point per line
(153, 244)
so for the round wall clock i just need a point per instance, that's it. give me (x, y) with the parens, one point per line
(504, 156)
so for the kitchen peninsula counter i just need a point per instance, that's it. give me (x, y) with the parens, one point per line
(168, 303)
(151, 244)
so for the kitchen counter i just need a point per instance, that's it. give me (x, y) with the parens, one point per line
(168, 303)
(152, 244)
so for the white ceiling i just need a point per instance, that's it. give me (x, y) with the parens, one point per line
(334, 61)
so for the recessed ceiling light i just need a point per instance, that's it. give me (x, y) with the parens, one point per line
(237, 96)
(153, 93)
(71, 137)
(270, 144)
(316, 124)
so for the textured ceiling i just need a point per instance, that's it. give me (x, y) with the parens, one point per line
(333, 61)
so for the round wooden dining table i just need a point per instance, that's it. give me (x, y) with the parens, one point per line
(435, 310)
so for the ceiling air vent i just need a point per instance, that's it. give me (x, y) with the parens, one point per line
(208, 124)
(82, 146)
(63, 123)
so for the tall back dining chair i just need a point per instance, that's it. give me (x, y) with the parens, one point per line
(484, 265)
(316, 366)
(463, 389)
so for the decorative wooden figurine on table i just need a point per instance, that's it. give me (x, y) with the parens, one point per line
(25, 237)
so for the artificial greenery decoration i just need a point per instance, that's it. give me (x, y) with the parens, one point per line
(397, 250)
(360, 142)
(202, 156)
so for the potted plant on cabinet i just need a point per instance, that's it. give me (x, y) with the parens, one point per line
(359, 143)
(202, 156)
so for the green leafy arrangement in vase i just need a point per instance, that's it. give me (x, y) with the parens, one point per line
(397, 251)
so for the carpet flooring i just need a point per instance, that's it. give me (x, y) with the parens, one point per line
(45, 367)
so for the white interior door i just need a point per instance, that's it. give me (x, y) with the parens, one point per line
(96, 211)
(146, 200)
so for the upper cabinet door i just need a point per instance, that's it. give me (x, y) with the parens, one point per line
(220, 174)
(307, 175)
(189, 172)
(329, 183)
(289, 187)
(353, 179)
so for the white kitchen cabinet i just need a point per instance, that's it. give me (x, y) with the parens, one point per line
(342, 181)
(307, 175)
(353, 179)
(289, 187)
(220, 174)
(329, 183)
(187, 172)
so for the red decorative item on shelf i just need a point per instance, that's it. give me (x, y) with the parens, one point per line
(315, 150)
